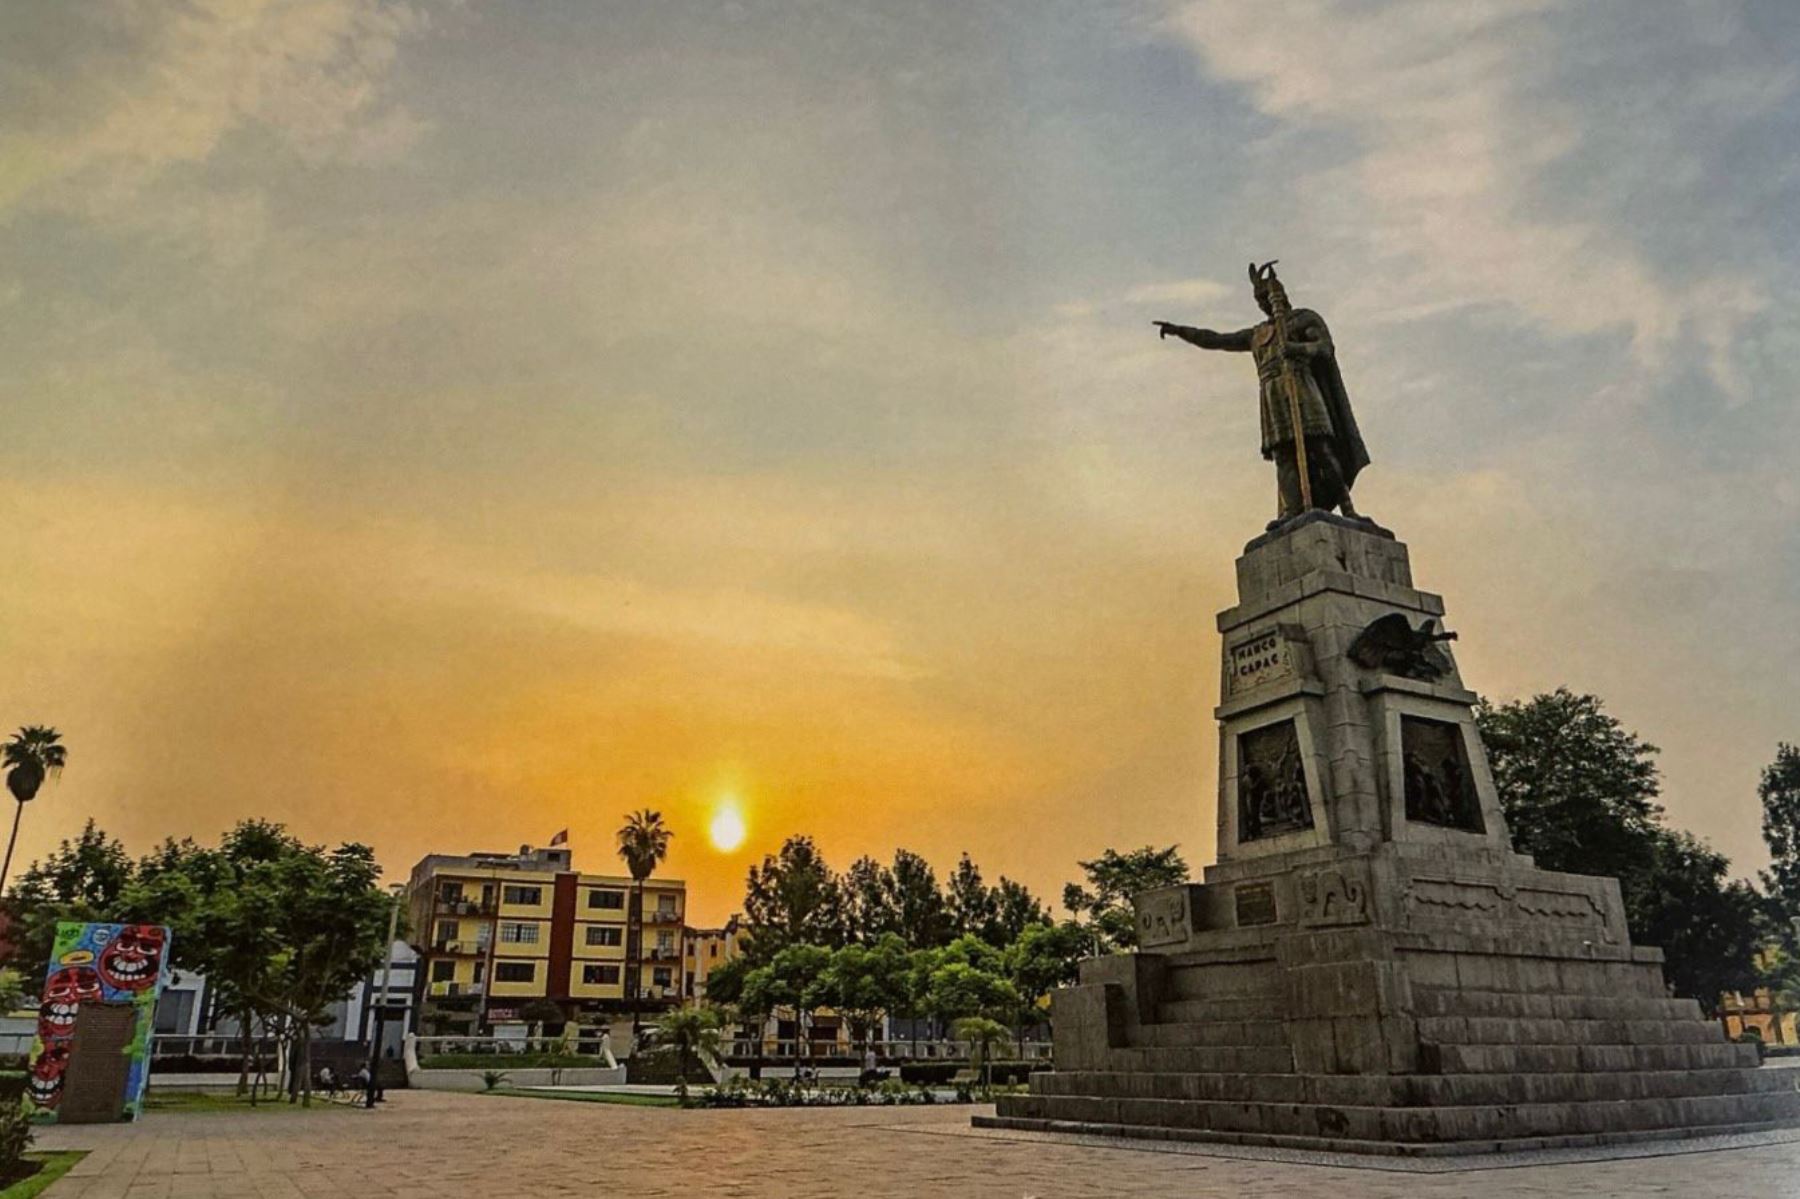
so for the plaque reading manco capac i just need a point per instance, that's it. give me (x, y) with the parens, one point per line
(1265, 657)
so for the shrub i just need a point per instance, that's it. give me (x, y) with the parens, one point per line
(491, 1079)
(929, 1073)
(15, 1139)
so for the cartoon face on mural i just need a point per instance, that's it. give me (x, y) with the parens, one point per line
(132, 960)
(64, 991)
(45, 1083)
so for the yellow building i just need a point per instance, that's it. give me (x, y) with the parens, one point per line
(498, 931)
(704, 949)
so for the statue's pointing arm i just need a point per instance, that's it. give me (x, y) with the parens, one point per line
(1206, 339)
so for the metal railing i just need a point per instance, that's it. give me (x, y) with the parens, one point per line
(502, 1046)
(452, 989)
(826, 1051)
(465, 948)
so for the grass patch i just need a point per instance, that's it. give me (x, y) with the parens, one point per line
(51, 1166)
(224, 1101)
(616, 1097)
(510, 1061)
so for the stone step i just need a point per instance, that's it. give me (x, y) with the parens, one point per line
(1528, 1031)
(1213, 1032)
(1414, 1090)
(1205, 1011)
(1554, 1059)
(1411, 1125)
(1440, 1149)
(1431, 1001)
(1225, 980)
(1203, 1059)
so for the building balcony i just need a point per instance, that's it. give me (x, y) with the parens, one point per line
(661, 953)
(452, 990)
(460, 906)
(661, 917)
(460, 948)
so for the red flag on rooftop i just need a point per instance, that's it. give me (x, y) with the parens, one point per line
(561, 838)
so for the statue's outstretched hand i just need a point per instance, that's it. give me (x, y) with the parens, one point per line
(1163, 327)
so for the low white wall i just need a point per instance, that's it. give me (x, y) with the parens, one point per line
(470, 1080)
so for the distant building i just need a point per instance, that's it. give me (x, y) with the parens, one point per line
(188, 1007)
(495, 932)
(705, 949)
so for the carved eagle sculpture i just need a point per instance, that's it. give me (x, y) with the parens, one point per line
(1390, 644)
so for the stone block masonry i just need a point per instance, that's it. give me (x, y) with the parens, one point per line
(1369, 966)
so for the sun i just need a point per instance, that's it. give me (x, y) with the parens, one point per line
(727, 828)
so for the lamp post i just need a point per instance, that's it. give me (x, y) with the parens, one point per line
(378, 1009)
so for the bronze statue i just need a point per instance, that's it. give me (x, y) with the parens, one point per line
(1301, 391)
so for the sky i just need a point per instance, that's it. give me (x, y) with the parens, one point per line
(438, 425)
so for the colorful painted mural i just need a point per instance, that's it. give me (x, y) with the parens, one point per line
(122, 965)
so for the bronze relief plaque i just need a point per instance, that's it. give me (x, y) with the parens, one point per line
(1440, 788)
(1271, 783)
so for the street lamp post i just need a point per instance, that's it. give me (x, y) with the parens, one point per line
(379, 1008)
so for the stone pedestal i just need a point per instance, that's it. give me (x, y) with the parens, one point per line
(1369, 966)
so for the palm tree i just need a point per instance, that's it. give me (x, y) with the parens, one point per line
(643, 844)
(688, 1033)
(33, 754)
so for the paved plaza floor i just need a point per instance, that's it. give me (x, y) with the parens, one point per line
(426, 1145)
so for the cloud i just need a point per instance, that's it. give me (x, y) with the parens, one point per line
(129, 89)
(1447, 144)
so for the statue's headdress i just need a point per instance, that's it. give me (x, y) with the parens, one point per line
(1263, 280)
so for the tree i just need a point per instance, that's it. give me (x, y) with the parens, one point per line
(33, 754)
(643, 844)
(1706, 924)
(538, 1013)
(959, 990)
(691, 1034)
(1043, 958)
(870, 912)
(918, 904)
(863, 982)
(82, 879)
(222, 918)
(1780, 794)
(982, 1034)
(973, 909)
(725, 982)
(792, 898)
(1579, 791)
(1016, 909)
(1112, 879)
(792, 979)
(330, 923)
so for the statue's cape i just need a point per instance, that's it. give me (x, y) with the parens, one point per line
(1352, 454)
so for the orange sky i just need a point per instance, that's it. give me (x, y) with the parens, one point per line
(436, 427)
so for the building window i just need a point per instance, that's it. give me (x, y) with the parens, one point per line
(662, 976)
(443, 972)
(665, 939)
(518, 932)
(712, 951)
(515, 972)
(665, 905)
(449, 930)
(605, 934)
(531, 896)
(603, 976)
(614, 900)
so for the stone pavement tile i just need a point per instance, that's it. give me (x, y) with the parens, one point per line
(436, 1146)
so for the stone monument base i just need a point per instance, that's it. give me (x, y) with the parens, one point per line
(1444, 1024)
(1369, 966)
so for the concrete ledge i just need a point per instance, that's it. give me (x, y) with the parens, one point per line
(470, 1080)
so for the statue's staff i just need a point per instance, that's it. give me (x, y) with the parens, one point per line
(1278, 312)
